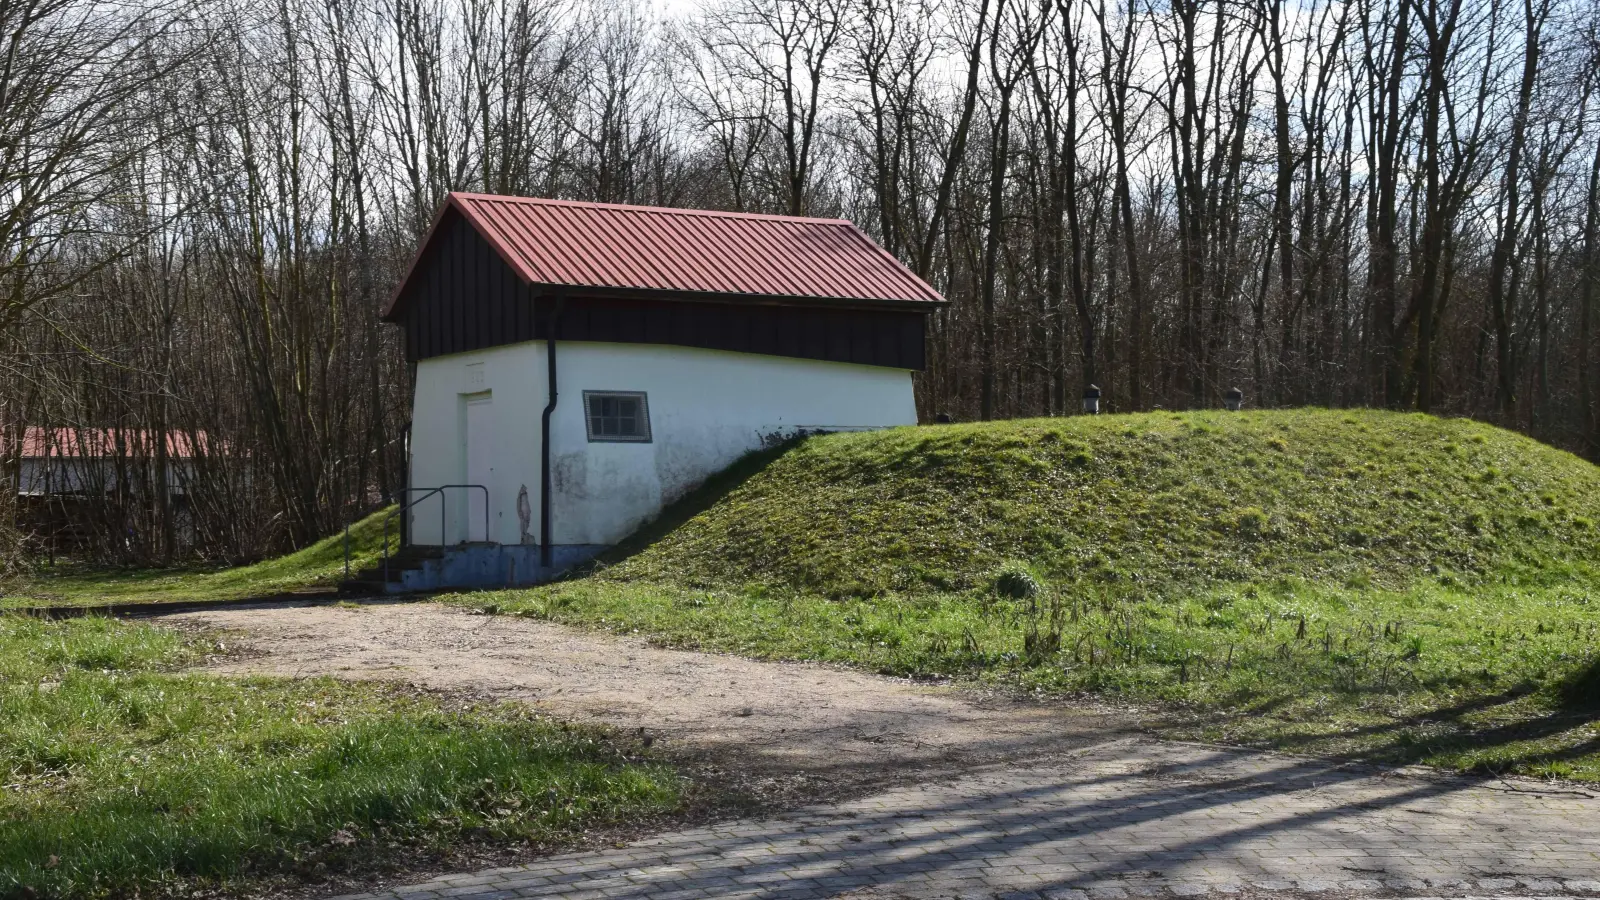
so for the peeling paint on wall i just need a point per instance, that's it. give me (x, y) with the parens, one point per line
(524, 516)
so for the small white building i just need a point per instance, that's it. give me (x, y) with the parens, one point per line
(579, 366)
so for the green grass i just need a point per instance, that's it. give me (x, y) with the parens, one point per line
(1144, 501)
(319, 565)
(122, 778)
(1395, 587)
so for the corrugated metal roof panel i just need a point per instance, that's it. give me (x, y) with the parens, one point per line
(39, 442)
(602, 246)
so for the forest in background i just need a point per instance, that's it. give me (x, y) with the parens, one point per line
(204, 203)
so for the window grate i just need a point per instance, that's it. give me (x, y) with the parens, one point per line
(617, 415)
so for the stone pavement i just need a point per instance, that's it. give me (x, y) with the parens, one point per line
(1126, 818)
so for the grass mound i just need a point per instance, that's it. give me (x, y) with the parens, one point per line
(319, 565)
(1142, 502)
(1396, 587)
(123, 778)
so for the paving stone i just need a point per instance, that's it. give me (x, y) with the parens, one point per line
(1098, 828)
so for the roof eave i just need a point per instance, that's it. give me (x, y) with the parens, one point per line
(594, 292)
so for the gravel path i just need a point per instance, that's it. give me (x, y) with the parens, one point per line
(831, 727)
(929, 792)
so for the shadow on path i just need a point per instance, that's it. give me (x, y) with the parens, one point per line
(1166, 817)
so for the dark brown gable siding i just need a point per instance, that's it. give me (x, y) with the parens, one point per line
(464, 297)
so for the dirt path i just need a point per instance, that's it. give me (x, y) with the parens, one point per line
(917, 799)
(795, 719)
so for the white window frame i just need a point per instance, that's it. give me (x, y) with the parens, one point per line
(644, 416)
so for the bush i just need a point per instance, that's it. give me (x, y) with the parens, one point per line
(1015, 580)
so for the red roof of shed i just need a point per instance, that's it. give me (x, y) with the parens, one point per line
(645, 248)
(38, 441)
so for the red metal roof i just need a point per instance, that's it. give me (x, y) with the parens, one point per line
(38, 441)
(645, 248)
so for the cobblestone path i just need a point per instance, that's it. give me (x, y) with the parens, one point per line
(1127, 818)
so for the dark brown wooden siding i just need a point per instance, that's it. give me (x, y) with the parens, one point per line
(464, 297)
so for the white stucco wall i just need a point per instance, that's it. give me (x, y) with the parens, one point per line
(707, 408)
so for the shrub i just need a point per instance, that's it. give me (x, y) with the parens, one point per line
(1015, 580)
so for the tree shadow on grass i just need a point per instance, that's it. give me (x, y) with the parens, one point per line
(1580, 691)
(1512, 739)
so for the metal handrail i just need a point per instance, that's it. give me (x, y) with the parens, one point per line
(444, 510)
(407, 504)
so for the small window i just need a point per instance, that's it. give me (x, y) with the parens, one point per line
(617, 415)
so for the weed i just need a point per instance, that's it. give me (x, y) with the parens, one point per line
(1016, 581)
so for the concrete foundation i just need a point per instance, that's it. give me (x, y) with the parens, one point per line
(490, 566)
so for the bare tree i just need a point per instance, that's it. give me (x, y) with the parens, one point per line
(204, 202)
(71, 75)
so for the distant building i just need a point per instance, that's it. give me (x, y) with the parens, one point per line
(89, 461)
(579, 366)
(74, 482)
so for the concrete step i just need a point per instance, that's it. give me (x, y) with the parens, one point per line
(466, 565)
(381, 579)
(363, 587)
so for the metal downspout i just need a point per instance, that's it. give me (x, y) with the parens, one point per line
(546, 555)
